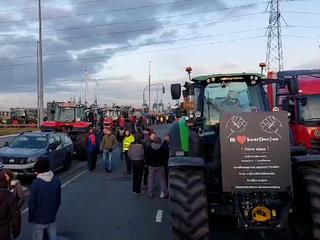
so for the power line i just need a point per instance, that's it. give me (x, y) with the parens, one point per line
(131, 8)
(152, 51)
(302, 12)
(301, 26)
(212, 21)
(101, 12)
(143, 20)
(50, 5)
(147, 44)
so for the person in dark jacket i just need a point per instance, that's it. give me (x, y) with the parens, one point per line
(92, 150)
(155, 159)
(165, 148)
(120, 137)
(14, 187)
(44, 201)
(150, 136)
(136, 155)
(10, 216)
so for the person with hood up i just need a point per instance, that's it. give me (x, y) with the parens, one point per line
(136, 155)
(10, 216)
(128, 139)
(44, 201)
(155, 159)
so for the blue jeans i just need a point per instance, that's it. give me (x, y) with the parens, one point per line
(38, 231)
(107, 160)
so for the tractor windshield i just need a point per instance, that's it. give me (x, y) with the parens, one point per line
(229, 97)
(309, 108)
(19, 113)
(112, 114)
(69, 114)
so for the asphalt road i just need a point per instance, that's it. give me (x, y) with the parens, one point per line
(97, 206)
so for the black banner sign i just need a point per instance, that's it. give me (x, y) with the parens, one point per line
(255, 151)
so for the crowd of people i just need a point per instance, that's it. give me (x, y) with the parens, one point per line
(144, 153)
(146, 159)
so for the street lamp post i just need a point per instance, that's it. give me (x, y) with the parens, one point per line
(40, 69)
(149, 84)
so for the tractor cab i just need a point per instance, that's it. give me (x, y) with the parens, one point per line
(206, 97)
(298, 92)
(69, 112)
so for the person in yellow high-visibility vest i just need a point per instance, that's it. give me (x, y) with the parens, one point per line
(128, 139)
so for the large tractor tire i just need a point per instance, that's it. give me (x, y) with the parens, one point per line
(306, 222)
(188, 204)
(80, 146)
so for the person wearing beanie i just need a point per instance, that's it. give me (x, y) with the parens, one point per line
(44, 201)
(10, 216)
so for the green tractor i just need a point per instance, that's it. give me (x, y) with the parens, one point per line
(231, 156)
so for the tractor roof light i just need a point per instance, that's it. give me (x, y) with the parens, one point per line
(189, 69)
(262, 65)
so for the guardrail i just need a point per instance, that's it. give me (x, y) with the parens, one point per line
(18, 125)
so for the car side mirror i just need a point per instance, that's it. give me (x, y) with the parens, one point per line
(6, 144)
(176, 91)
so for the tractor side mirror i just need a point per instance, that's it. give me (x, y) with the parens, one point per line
(293, 86)
(175, 91)
(303, 101)
(285, 105)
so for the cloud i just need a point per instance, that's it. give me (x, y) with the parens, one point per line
(107, 38)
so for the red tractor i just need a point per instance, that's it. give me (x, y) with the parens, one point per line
(111, 118)
(298, 92)
(71, 118)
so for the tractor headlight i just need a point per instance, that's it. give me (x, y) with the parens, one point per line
(32, 159)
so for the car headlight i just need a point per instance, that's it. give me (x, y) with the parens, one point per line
(32, 159)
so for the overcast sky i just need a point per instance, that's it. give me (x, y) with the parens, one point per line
(115, 40)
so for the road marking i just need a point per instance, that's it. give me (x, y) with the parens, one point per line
(62, 186)
(74, 178)
(159, 216)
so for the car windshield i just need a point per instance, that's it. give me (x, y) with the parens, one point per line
(228, 97)
(309, 108)
(69, 114)
(37, 142)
